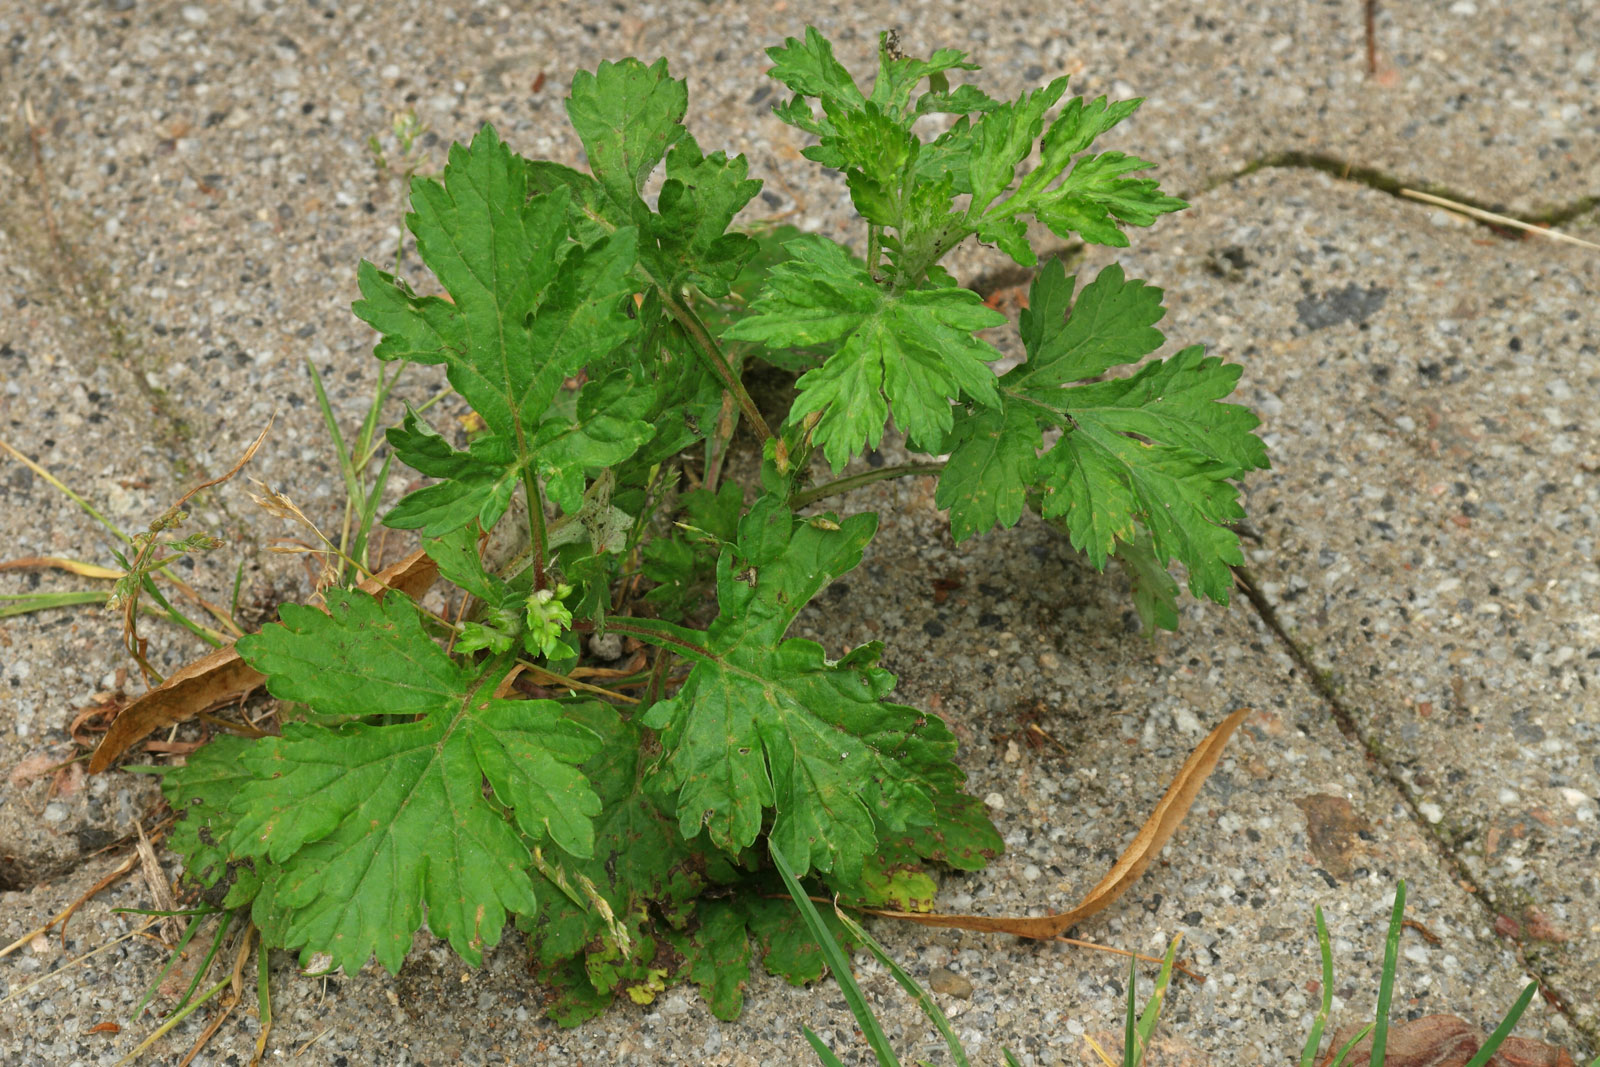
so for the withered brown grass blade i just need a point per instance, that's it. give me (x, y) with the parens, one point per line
(1155, 833)
(88, 570)
(222, 677)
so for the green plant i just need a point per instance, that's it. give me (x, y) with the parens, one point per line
(1138, 1026)
(473, 770)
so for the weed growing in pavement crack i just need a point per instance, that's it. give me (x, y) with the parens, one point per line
(573, 754)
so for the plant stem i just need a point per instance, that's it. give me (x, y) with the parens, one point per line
(536, 536)
(712, 353)
(856, 481)
(658, 678)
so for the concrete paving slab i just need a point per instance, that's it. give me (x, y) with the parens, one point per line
(71, 401)
(1292, 817)
(53, 662)
(1501, 97)
(1429, 525)
(208, 169)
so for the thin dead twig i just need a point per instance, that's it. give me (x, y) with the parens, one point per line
(1499, 220)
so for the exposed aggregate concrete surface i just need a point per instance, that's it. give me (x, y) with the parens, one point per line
(187, 189)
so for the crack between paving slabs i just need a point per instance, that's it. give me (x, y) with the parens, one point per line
(1070, 253)
(74, 286)
(987, 284)
(1322, 682)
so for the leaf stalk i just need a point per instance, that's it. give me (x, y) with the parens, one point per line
(712, 353)
(537, 540)
(806, 497)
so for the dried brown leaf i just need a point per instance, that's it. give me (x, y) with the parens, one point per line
(1446, 1041)
(222, 677)
(1155, 833)
(34, 767)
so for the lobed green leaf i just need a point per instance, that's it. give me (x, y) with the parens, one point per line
(627, 115)
(366, 824)
(528, 308)
(766, 723)
(809, 69)
(476, 484)
(1153, 452)
(912, 352)
(200, 792)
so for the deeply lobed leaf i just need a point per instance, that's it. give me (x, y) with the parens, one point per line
(476, 484)
(365, 824)
(912, 352)
(1155, 451)
(627, 115)
(767, 723)
(528, 307)
(201, 791)
(637, 857)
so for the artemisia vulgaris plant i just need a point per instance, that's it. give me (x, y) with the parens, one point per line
(600, 335)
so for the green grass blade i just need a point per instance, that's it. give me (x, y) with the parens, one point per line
(1131, 1053)
(183, 913)
(189, 930)
(838, 964)
(353, 496)
(88, 508)
(1152, 1007)
(204, 967)
(1503, 1031)
(364, 451)
(924, 999)
(178, 1015)
(263, 996)
(346, 465)
(369, 512)
(204, 633)
(1011, 1058)
(238, 582)
(1338, 1061)
(1308, 1055)
(22, 603)
(824, 1053)
(1391, 960)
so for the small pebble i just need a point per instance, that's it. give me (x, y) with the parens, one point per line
(949, 984)
(606, 646)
